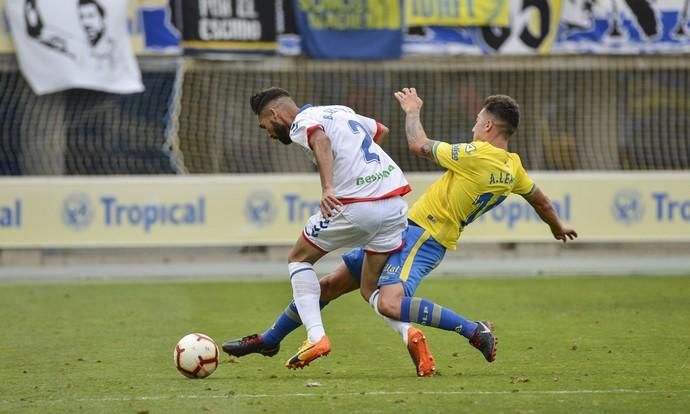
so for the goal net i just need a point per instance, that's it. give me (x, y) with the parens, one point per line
(578, 113)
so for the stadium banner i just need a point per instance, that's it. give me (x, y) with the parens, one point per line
(564, 27)
(149, 23)
(532, 29)
(49, 212)
(222, 26)
(457, 13)
(84, 45)
(151, 28)
(624, 27)
(343, 29)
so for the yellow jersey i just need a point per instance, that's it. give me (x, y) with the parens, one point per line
(478, 177)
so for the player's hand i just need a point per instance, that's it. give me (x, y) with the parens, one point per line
(564, 233)
(408, 99)
(330, 205)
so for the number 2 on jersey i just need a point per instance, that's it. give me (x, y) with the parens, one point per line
(482, 203)
(356, 127)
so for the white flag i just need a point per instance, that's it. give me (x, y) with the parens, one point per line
(64, 44)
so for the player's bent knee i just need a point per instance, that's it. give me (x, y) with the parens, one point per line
(330, 290)
(389, 306)
(325, 285)
(366, 292)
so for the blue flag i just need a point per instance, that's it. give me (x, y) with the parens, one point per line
(342, 29)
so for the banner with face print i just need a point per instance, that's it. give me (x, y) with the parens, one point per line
(74, 44)
(151, 31)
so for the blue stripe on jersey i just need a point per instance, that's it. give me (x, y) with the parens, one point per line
(307, 106)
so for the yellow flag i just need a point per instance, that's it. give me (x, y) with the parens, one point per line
(457, 13)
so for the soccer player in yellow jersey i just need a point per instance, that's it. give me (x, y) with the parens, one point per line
(479, 175)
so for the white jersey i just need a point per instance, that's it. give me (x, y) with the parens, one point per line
(362, 171)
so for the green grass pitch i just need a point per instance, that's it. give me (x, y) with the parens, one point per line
(595, 344)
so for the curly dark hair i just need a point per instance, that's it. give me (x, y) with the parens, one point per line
(100, 8)
(259, 101)
(506, 109)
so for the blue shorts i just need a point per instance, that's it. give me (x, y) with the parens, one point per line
(409, 266)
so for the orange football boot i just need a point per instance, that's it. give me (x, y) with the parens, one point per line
(309, 352)
(420, 353)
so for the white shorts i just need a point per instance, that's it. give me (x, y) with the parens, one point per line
(376, 226)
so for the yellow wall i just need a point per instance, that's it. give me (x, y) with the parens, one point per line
(265, 209)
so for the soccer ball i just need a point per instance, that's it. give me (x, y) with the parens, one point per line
(196, 356)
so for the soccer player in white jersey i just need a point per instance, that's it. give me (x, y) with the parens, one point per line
(361, 203)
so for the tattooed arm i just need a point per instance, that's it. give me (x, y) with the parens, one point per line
(417, 140)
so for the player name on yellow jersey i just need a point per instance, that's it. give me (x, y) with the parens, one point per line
(501, 178)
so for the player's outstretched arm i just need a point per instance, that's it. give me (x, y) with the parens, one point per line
(542, 205)
(417, 140)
